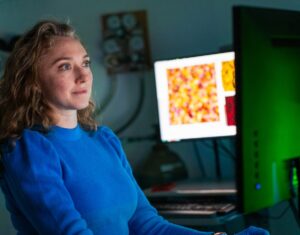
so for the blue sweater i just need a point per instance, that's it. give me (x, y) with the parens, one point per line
(70, 181)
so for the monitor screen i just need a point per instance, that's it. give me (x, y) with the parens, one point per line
(267, 56)
(196, 96)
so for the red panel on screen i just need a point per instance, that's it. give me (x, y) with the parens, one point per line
(230, 110)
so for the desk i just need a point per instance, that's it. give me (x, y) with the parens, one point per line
(230, 223)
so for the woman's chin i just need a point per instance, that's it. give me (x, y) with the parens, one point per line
(82, 106)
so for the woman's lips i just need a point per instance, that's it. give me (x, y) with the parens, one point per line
(79, 92)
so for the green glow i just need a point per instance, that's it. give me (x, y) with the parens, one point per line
(295, 182)
(269, 104)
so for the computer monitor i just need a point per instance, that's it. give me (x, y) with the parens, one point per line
(267, 63)
(196, 96)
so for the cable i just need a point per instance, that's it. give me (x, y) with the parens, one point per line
(199, 159)
(155, 136)
(277, 217)
(227, 150)
(295, 211)
(229, 153)
(217, 158)
(285, 210)
(150, 137)
(137, 110)
(111, 93)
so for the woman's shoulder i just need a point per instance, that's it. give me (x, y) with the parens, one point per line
(106, 134)
(32, 146)
(35, 136)
(35, 132)
(105, 131)
(28, 137)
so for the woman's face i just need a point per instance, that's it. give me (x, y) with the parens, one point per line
(65, 76)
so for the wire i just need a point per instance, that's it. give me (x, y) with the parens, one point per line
(295, 211)
(217, 158)
(285, 210)
(150, 137)
(209, 144)
(138, 109)
(277, 217)
(154, 136)
(199, 159)
(111, 93)
(227, 150)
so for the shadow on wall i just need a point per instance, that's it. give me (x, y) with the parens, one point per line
(5, 223)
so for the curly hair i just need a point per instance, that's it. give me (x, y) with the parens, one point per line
(22, 104)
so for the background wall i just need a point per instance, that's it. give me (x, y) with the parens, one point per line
(177, 28)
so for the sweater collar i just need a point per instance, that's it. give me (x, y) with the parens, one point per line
(65, 133)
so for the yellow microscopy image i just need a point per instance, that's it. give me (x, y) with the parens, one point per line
(228, 75)
(193, 94)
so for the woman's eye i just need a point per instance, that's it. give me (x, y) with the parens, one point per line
(87, 63)
(64, 67)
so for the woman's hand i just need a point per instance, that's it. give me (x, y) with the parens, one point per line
(253, 231)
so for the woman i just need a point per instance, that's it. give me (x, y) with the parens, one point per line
(61, 173)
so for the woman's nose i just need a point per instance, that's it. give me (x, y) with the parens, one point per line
(82, 74)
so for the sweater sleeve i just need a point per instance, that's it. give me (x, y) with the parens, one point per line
(146, 220)
(33, 178)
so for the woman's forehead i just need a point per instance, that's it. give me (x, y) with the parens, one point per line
(61, 46)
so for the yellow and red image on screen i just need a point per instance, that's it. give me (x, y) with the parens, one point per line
(228, 82)
(193, 93)
(228, 75)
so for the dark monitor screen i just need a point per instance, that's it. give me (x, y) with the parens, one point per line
(267, 62)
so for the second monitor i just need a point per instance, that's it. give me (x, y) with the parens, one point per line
(196, 96)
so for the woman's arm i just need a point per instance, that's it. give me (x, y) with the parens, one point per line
(146, 220)
(34, 182)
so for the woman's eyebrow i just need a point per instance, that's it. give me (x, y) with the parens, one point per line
(59, 59)
(66, 58)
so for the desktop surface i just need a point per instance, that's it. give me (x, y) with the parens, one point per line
(194, 199)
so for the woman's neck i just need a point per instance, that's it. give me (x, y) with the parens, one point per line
(66, 119)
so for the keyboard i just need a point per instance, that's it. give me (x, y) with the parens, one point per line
(186, 208)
